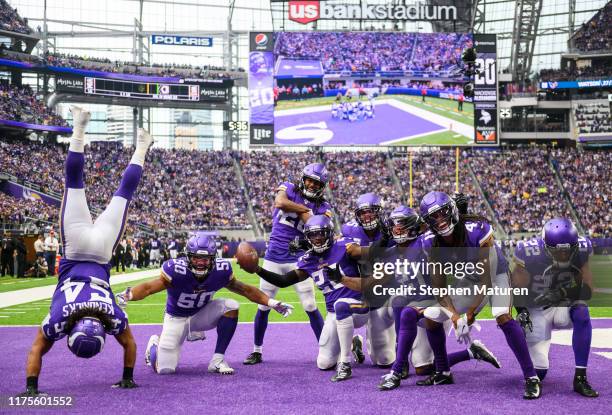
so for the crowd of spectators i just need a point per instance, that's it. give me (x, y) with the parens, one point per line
(594, 71)
(298, 91)
(27, 215)
(376, 51)
(19, 103)
(354, 173)
(107, 65)
(184, 189)
(11, 21)
(177, 189)
(586, 177)
(436, 170)
(593, 118)
(520, 187)
(596, 34)
(264, 171)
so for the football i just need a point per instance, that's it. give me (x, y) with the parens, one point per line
(247, 257)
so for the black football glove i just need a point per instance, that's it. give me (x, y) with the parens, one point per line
(551, 298)
(333, 274)
(524, 319)
(462, 202)
(298, 245)
(125, 384)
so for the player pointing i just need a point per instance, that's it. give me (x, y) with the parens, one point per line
(191, 281)
(83, 307)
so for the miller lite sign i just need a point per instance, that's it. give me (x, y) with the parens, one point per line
(304, 11)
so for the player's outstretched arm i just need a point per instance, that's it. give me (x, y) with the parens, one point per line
(257, 296)
(40, 346)
(126, 340)
(282, 281)
(142, 291)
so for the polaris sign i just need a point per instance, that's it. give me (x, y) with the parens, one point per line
(181, 40)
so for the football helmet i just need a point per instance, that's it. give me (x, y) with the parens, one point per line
(317, 173)
(439, 212)
(201, 250)
(86, 339)
(319, 232)
(404, 224)
(367, 212)
(560, 238)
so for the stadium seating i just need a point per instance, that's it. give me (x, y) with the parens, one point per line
(11, 21)
(593, 117)
(596, 34)
(19, 103)
(184, 189)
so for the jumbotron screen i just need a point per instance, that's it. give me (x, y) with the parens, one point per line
(372, 88)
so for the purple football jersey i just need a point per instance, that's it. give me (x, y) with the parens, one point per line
(353, 230)
(155, 244)
(314, 265)
(531, 254)
(477, 232)
(416, 276)
(287, 225)
(187, 295)
(78, 291)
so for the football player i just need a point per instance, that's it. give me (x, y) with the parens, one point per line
(345, 309)
(453, 236)
(555, 268)
(406, 230)
(366, 229)
(294, 204)
(83, 307)
(191, 281)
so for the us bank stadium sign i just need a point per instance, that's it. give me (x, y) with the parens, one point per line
(307, 11)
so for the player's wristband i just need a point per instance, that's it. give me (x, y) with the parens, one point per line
(128, 373)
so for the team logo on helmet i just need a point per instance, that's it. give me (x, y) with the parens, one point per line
(319, 233)
(560, 238)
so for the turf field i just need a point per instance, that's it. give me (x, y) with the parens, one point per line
(151, 309)
(400, 120)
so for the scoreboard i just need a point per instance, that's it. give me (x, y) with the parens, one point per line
(142, 90)
(184, 90)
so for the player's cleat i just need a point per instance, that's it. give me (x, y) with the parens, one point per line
(405, 373)
(437, 378)
(32, 392)
(220, 366)
(343, 372)
(533, 388)
(253, 359)
(357, 349)
(389, 382)
(582, 386)
(125, 384)
(153, 342)
(480, 352)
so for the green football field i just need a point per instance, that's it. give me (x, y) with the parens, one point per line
(443, 107)
(151, 309)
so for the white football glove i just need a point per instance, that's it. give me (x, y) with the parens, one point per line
(124, 296)
(282, 308)
(462, 331)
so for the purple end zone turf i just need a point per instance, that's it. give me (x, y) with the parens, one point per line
(288, 381)
(390, 123)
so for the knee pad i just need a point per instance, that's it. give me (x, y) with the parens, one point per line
(435, 314)
(500, 311)
(325, 362)
(539, 354)
(308, 301)
(231, 305)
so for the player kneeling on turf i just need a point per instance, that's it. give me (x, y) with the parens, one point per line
(191, 282)
(328, 260)
(555, 268)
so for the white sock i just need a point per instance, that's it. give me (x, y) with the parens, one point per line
(77, 142)
(217, 357)
(139, 156)
(257, 349)
(345, 329)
